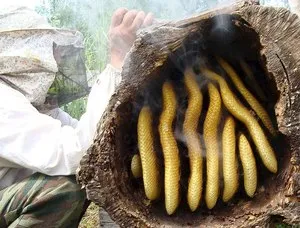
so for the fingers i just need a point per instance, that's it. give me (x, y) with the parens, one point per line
(148, 20)
(132, 18)
(129, 18)
(118, 16)
(122, 32)
(138, 21)
(142, 20)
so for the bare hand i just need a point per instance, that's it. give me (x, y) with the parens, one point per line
(122, 32)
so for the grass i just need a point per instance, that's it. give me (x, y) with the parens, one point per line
(91, 217)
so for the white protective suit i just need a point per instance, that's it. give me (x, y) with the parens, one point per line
(30, 141)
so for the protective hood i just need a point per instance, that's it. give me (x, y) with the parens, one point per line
(35, 56)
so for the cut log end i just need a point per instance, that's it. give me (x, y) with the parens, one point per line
(265, 38)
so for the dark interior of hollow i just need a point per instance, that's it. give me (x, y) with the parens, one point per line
(233, 39)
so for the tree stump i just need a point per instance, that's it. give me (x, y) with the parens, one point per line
(269, 35)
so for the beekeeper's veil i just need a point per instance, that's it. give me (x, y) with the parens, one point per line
(38, 60)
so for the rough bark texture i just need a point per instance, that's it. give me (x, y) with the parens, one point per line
(103, 170)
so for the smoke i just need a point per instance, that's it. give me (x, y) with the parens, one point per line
(92, 17)
(276, 3)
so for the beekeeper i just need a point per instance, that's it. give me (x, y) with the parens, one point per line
(40, 145)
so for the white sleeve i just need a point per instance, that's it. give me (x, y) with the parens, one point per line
(63, 117)
(98, 99)
(39, 142)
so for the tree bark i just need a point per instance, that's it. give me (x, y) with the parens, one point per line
(104, 172)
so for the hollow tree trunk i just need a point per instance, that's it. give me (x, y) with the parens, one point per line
(275, 32)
